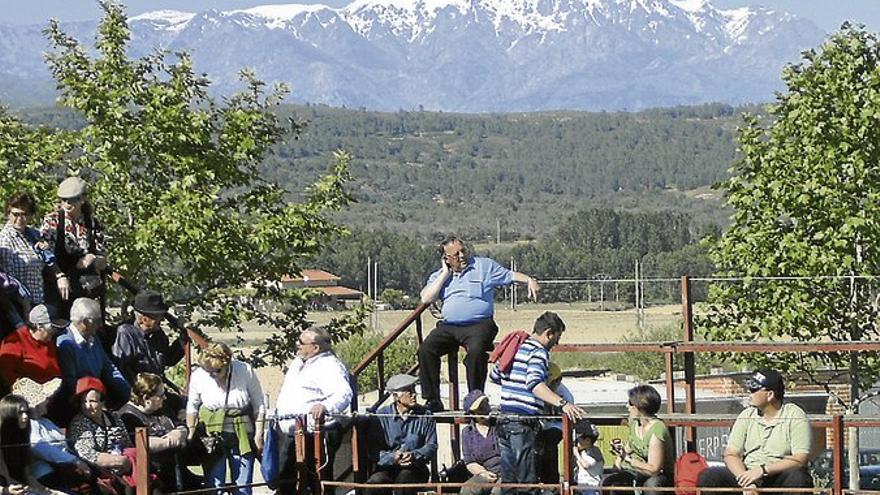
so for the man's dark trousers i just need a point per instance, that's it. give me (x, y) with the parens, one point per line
(721, 477)
(286, 482)
(520, 445)
(477, 338)
(417, 473)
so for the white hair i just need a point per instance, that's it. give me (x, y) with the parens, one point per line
(84, 308)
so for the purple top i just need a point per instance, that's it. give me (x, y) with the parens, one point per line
(482, 450)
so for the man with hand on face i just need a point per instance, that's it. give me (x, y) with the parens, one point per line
(466, 285)
(769, 444)
(406, 439)
(316, 385)
(142, 346)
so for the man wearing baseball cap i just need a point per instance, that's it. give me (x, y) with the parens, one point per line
(769, 444)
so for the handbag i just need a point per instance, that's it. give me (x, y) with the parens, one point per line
(212, 443)
(270, 465)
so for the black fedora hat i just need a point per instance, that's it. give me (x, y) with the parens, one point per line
(150, 303)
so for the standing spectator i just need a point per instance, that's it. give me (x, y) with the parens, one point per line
(80, 354)
(96, 435)
(479, 447)
(466, 285)
(166, 438)
(769, 444)
(648, 458)
(77, 240)
(225, 398)
(524, 392)
(406, 439)
(53, 464)
(316, 385)
(590, 461)
(13, 297)
(551, 431)
(30, 351)
(24, 254)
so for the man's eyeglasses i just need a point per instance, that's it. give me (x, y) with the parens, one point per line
(19, 214)
(301, 343)
(461, 254)
(756, 389)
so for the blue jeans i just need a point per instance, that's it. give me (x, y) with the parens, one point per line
(520, 448)
(242, 466)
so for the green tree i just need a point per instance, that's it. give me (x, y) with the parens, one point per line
(176, 181)
(807, 198)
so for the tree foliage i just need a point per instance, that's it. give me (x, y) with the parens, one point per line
(807, 199)
(176, 180)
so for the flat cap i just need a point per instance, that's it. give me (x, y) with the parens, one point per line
(72, 187)
(401, 382)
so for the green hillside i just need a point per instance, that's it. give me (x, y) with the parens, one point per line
(426, 173)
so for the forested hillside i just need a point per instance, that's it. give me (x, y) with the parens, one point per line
(592, 192)
(425, 174)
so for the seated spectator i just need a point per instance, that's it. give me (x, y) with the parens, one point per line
(769, 444)
(166, 438)
(316, 384)
(13, 298)
(590, 462)
(225, 398)
(53, 464)
(24, 254)
(94, 433)
(551, 431)
(142, 346)
(15, 444)
(30, 351)
(405, 437)
(648, 458)
(479, 447)
(80, 355)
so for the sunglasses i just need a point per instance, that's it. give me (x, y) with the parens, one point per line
(74, 200)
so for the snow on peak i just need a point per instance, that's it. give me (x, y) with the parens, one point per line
(689, 5)
(170, 17)
(284, 12)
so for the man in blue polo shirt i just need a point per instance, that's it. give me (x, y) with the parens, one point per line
(466, 285)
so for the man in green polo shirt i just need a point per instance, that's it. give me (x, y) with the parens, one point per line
(769, 444)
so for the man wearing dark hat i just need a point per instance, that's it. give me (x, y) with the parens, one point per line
(142, 346)
(405, 436)
(769, 444)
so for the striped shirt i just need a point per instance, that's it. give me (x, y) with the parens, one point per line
(529, 369)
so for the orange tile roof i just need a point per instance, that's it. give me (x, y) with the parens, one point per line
(311, 276)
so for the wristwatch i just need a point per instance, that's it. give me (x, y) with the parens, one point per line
(562, 403)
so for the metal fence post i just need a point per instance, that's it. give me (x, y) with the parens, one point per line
(690, 373)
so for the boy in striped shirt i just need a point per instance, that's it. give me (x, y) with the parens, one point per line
(523, 395)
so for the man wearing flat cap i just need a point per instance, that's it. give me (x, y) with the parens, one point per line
(769, 444)
(142, 346)
(77, 240)
(405, 436)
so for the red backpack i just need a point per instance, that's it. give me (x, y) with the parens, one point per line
(687, 472)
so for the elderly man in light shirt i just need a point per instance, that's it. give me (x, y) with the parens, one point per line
(316, 385)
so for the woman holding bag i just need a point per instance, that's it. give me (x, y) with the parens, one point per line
(226, 407)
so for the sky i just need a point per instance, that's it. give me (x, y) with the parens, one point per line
(827, 14)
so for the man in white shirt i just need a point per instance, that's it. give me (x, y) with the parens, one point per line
(317, 386)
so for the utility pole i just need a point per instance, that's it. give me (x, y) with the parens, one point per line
(370, 288)
(497, 231)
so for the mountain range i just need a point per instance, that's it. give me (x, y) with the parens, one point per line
(463, 55)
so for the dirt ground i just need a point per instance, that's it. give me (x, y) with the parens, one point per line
(584, 325)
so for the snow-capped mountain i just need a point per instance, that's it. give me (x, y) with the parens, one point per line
(470, 55)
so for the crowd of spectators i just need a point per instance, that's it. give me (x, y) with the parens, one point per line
(74, 391)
